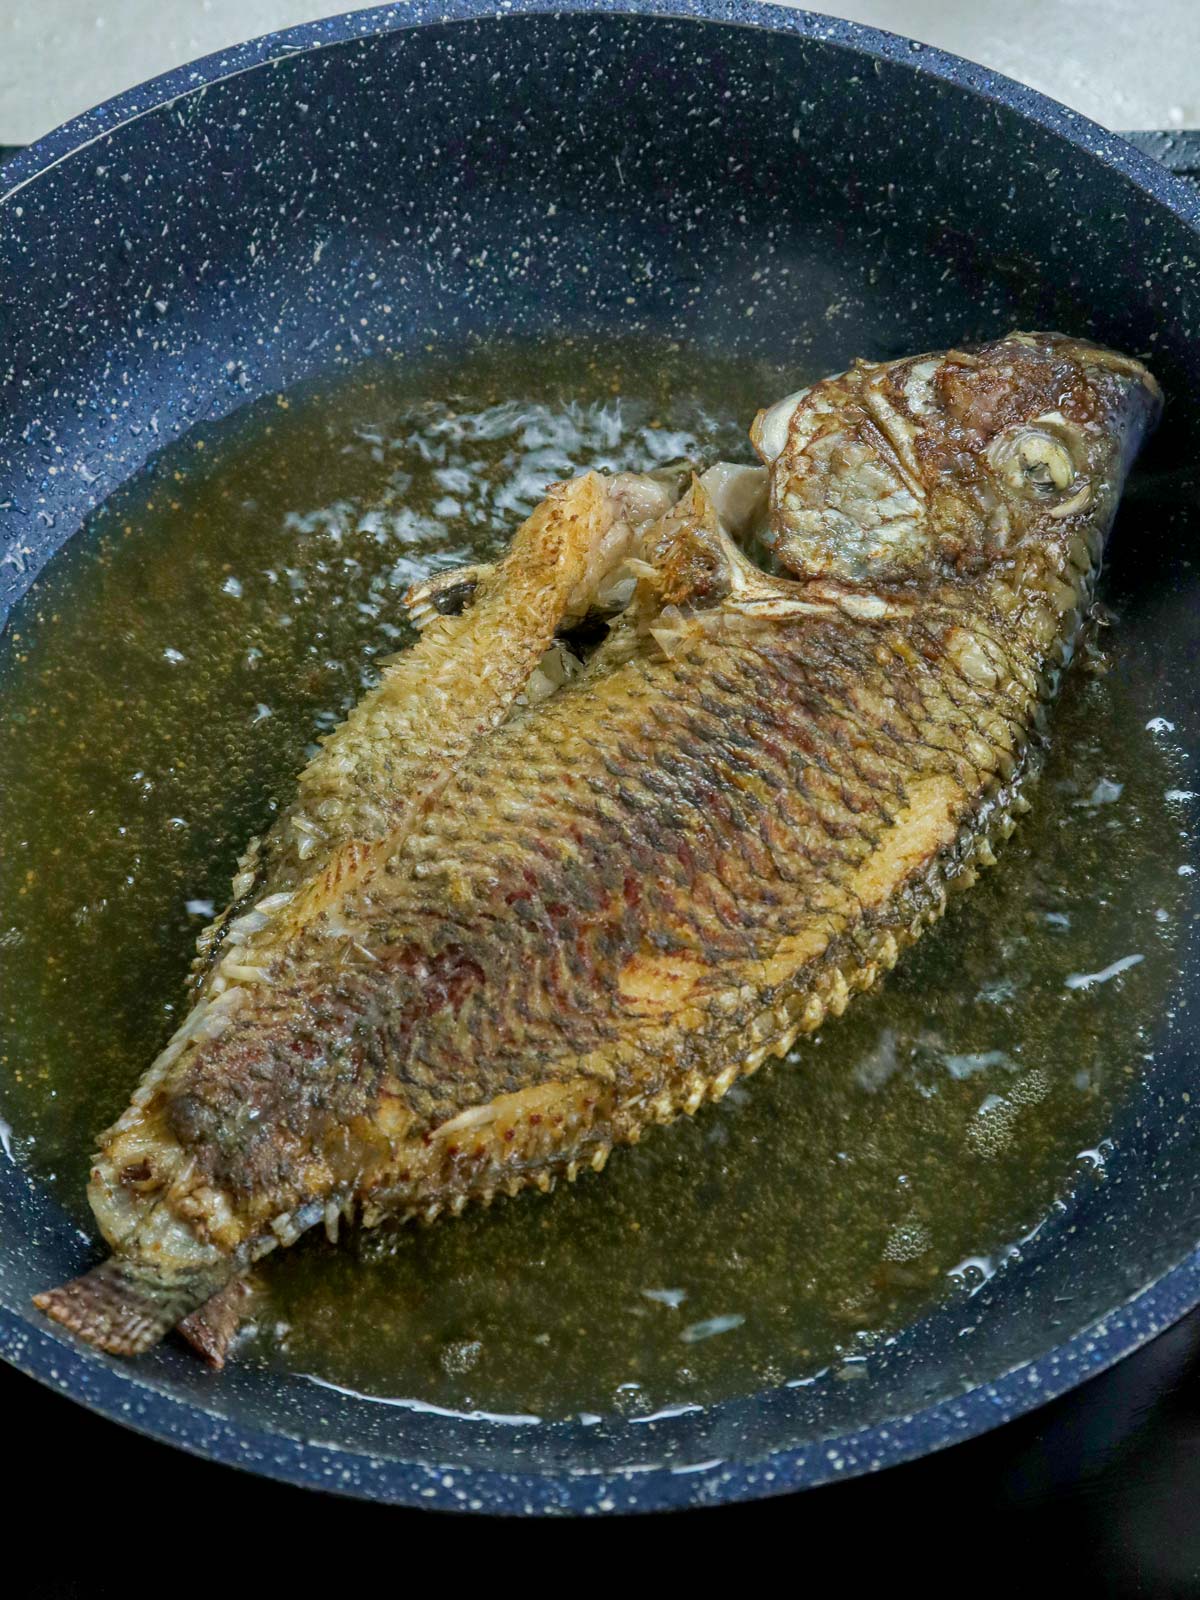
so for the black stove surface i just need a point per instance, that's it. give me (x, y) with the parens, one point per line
(1096, 1493)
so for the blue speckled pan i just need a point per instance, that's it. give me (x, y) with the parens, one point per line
(751, 156)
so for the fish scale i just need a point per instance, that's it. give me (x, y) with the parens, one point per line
(534, 926)
(677, 918)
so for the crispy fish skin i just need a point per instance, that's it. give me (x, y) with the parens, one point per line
(400, 744)
(611, 904)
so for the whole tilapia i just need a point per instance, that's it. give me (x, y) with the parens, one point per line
(524, 906)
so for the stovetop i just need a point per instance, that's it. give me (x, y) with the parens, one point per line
(1178, 150)
(1098, 1491)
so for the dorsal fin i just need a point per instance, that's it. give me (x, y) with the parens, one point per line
(689, 553)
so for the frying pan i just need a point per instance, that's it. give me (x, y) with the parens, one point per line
(751, 158)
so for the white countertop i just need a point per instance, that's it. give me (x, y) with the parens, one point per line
(1127, 64)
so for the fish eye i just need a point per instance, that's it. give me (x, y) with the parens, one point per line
(1033, 462)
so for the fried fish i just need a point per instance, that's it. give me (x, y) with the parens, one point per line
(533, 897)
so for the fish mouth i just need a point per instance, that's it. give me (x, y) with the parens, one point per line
(1136, 385)
(1125, 386)
(1133, 375)
(1137, 404)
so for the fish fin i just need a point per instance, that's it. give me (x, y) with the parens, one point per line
(688, 552)
(445, 594)
(121, 1307)
(212, 1327)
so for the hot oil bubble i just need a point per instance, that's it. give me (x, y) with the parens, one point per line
(461, 1356)
(907, 1240)
(991, 1130)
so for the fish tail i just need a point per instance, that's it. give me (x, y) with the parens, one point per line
(212, 1327)
(124, 1308)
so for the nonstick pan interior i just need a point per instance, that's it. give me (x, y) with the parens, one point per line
(735, 177)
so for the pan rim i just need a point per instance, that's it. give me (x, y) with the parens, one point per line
(107, 116)
(62, 1363)
(65, 1364)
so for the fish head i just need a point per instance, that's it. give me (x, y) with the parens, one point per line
(941, 464)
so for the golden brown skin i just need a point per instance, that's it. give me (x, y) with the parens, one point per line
(527, 931)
